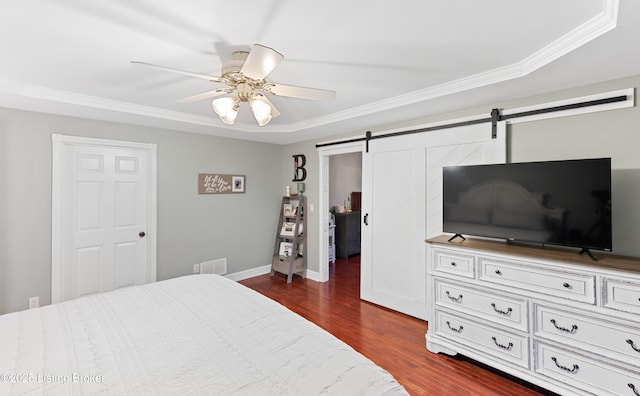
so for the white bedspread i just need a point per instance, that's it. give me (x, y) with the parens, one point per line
(200, 334)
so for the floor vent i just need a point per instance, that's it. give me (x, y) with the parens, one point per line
(218, 266)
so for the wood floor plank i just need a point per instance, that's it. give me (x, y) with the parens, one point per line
(392, 340)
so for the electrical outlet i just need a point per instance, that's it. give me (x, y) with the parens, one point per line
(34, 302)
(196, 268)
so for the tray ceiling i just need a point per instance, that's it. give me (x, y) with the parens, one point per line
(387, 62)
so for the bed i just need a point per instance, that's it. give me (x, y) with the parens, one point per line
(198, 334)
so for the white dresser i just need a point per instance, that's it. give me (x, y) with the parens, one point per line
(549, 316)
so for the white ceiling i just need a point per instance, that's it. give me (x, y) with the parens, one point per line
(387, 61)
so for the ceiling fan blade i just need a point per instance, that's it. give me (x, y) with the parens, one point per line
(299, 92)
(260, 62)
(184, 73)
(205, 95)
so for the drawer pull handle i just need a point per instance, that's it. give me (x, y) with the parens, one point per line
(566, 285)
(571, 370)
(505, 347)
(453, 264)
(572, 330)
(501, 312)
(456, 299)
(498, 272)
(458, 330)
(633, 388)
(633, 345)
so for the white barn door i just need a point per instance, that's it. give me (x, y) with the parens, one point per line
(402, 206)
(104, 216)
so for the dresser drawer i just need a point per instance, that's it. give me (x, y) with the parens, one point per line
(585, 373)
(621, 295)
(589, 333)
(580, 287)
(454, 263)
(501, 344)
(508, 311)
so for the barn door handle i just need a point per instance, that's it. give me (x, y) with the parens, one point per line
(366, 219)
(141, 234)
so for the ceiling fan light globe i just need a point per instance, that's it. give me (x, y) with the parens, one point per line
(261, 111)
(226, 109)
(264, 121)
(230, 118)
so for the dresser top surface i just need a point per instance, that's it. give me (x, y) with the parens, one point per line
(567, 255)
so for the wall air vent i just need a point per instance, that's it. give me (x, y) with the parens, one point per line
(218, 266)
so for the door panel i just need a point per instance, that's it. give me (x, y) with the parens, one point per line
(88, 198)
(402, 195)
(87, 271)
(395, 173)
(125, 265)
(103, 194)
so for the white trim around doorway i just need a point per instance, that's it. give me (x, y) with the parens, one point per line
(58, 142)
(323, 202)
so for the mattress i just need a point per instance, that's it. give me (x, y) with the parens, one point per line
(198, 334)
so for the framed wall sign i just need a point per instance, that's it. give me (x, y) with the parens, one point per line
(214, 183)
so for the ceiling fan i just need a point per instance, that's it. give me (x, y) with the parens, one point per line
(244, 76)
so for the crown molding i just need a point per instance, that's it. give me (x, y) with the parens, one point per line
(73, 98)
(600, 24)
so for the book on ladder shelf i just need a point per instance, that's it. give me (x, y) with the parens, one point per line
(289, 257)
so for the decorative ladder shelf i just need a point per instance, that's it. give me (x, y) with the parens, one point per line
(289, 257)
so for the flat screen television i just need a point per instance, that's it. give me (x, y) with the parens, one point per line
(564, 203)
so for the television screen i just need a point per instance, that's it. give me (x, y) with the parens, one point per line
(553, 202)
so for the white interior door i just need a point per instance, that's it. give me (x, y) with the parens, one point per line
(104, 216)
(393, 211)
(402, 206)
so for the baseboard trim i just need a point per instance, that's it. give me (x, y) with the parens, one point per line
(314, 276)
(250, 273)
(265, 269)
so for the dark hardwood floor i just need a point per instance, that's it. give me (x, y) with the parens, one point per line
(392, 340)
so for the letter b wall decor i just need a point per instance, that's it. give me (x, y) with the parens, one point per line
(299, 171)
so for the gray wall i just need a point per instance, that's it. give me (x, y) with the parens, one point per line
(191, 227)
(311, 191)
(612, 134)
(608, 134)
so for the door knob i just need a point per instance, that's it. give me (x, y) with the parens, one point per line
(141, 234)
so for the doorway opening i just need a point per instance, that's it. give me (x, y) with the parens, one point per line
(345, 192)
(340, 176)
